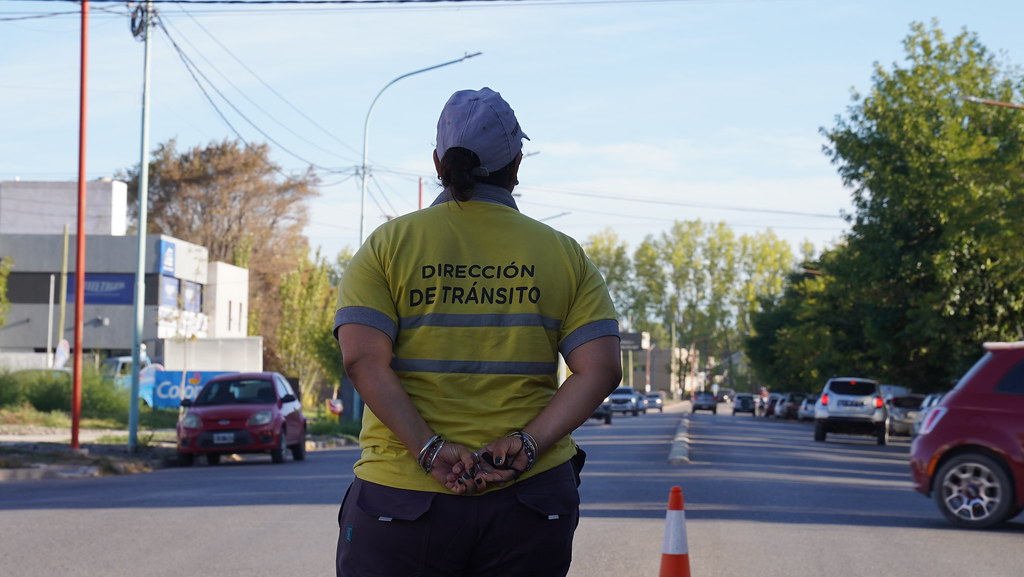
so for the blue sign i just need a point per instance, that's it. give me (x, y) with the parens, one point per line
(168, 292)
(167, 258)
(168, 386)
(105, 289)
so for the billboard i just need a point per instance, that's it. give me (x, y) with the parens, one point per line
(170, 387)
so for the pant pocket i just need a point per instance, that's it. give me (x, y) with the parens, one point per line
(383, 531)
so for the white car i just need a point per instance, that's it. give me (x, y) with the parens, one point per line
(851, 406)
(626, 400)
(806, 410)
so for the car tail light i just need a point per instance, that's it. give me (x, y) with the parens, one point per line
(824, 400)
(879, 403)
(935, 415)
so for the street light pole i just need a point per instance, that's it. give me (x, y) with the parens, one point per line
(366, 132)
(977, 100)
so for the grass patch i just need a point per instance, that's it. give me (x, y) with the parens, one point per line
(27, 415)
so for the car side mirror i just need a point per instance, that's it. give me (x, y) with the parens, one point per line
(289, 398)
(186, 402)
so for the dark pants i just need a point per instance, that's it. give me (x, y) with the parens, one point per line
(524, 529)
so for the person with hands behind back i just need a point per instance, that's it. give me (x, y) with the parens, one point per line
(450, 322)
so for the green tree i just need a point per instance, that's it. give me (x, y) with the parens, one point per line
(308, 302)
(932, 259)
(610, 255)
(5, 305)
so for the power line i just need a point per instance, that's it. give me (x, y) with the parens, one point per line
(314, 123)
(193, 71)
(665, 202)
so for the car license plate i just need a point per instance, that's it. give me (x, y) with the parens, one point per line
(851, 404)
(223, 438)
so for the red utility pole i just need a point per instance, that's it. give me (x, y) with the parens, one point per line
(76, 382)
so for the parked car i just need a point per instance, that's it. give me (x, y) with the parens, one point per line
(806, 410)
(704, 401)
(902, 412)
(744, 403)
(626, 400)
(968, 454)
(242, 413)
(769, 406)
(654, 401)
(787, 405)
(922, 413)
(604, 411)
(851, 406)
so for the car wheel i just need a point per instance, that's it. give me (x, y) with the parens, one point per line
(277, 453)
(973, 491)
(299, 449)
(819, 432)
(213, 458)
(883, 434)
(186, 459)
(636, 412)
(608, 418)
(714, 411)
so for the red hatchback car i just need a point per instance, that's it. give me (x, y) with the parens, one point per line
(969, 454)
(242, 413)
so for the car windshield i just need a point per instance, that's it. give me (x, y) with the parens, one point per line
(857, 388)
(622, 391)
(240, 392)
(906, 402)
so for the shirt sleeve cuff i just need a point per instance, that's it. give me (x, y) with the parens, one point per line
(587, 333)
(365, 316)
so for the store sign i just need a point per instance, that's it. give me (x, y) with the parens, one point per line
(167, 258)
(173, 386)
(104, 289)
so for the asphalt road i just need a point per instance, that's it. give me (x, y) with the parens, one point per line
(761, 499)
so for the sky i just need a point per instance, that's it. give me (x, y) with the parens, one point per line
(641, 113)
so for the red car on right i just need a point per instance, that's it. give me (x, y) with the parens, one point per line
(969, 453)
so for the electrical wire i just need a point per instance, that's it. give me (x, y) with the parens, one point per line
(195, 73)
(312, 122)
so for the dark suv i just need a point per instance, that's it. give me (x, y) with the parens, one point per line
(968, 454)
(851, 406)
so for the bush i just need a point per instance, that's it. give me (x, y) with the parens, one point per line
(47, 391)
(331, 426)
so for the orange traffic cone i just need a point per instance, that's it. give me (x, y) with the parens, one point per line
(675, 555)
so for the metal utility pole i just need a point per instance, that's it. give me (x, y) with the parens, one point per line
(141, 21)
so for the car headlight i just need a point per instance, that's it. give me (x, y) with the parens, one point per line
(192, 421)
(260, 418)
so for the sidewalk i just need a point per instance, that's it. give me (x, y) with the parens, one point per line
(31, 452)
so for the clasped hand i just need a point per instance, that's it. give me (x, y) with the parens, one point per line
(466, 472)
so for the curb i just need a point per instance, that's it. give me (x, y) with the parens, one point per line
(679, 454)
(122, 467)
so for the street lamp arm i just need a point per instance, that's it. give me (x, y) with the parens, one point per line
(366, 131)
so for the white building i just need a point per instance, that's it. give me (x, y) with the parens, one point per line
(186, 296)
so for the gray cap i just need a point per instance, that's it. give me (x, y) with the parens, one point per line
(481, 121)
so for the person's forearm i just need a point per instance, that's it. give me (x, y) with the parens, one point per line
(367, 355)
(595, 372)
(571, 406)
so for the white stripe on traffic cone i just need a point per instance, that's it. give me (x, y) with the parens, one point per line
(675, 555)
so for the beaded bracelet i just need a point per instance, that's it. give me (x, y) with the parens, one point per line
(529, 445)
